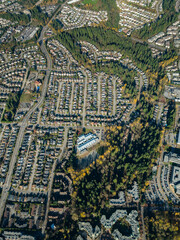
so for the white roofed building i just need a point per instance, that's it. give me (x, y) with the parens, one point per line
(86, 141)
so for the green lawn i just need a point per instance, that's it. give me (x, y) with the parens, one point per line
(103, 5)
(93, 2)
(26, 97)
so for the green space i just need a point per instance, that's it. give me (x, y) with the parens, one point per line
(162, 225)
(171, 114)
(70, 40)
(104, 5)
(47, 2)
(116, 68)
(107, 39)
(56, 24)
(38, 16)
(21, 18)
(119, 164)
(93, 2)
(28, 3)
(128, 156)
(139, 53)
(3, 31)
(11, 106)
(26, 97)
(123, 226)
(128, 153)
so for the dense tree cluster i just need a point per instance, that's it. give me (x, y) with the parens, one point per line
(113, 12)
(11, 106)
(28, 3)
(105, 5)
(162, 225)
(115, 170)
(37, 14)
(171, 113)
(13, 17)
(110, 40)
(57, 24)
(127, 156)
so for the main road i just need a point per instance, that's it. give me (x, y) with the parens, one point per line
(7, 185)
(159, 176)
(52, 178)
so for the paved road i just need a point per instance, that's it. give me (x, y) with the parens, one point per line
(2, 131)
(158, 7)
(7, 184)
(24, 123)
(177, 7)
(25, 79)
(161, 106)
(177, 116)
(140, 85)
(142, 217)
(33, 169)
(114, 96)
(137, 40)
(52, 178)
(58, 99)
(99, 93)
(72, 97)
(159, 176)
(39, 2)
(150, 44)
(85, 92)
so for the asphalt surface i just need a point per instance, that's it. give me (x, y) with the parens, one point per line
(52, 178)
(7, 184)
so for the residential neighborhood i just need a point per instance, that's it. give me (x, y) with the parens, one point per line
(134, 14)
(163, 39)
(72, 17)
(89, 119)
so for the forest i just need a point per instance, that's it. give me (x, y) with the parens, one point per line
(171, 113)
(38, 15)
(19, 18)
(110, 40)
(105, 5)
(11, 106)
(129, 152)
(28, 3)
(128, 155)
(162, 225)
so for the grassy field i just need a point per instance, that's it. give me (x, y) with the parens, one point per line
(28, 3)
(93, 2)
(103, 5)
(26, 97)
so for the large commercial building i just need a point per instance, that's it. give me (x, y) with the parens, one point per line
(175, 178)
(86, 141)
(178, 141)
(174, 159)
